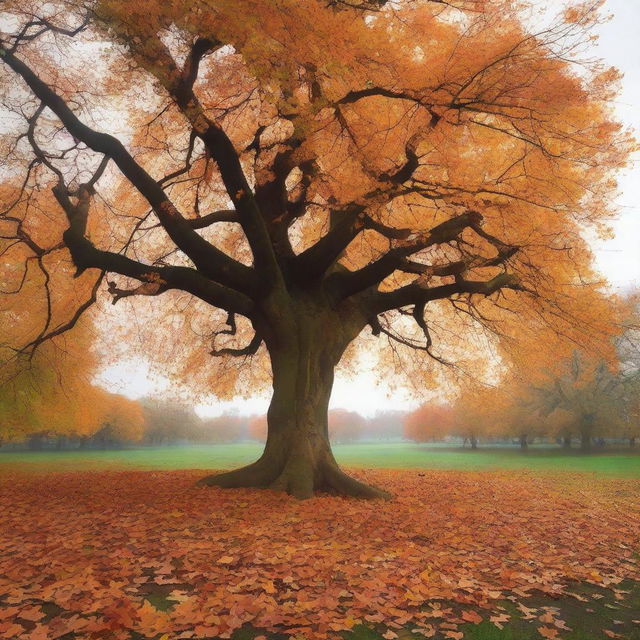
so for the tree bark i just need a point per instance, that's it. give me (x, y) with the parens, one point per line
(474, 442)
(524, 442)
(304, 347)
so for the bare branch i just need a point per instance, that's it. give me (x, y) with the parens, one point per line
(209, 260)
(249, 350)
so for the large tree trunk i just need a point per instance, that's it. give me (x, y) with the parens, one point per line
(297, 457)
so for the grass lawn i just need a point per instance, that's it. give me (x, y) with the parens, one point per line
(395, 455)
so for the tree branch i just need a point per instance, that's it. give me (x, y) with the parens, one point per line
(225, 215)
(351, 282)
(155, 279)
(317, 259)
(249, 350)
(416, 293)
(209, 260)
(179, 85)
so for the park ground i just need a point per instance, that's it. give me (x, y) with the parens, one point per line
(487, 545)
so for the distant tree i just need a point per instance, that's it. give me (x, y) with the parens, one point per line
(345, 426)
(429, 423)
(123, 420)
(474, 415)
(628, 345)
(258, 428)
(50, 392)
(224, 428)
(169, 422)
(385, 425)
(516, 412)
(589, 394)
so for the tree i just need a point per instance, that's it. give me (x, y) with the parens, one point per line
(122, 420)
(628, 347)
(385, 425)
(429, 423)
(630, 409)
(345, 426)
(258, 428)
(313, 169)
(224, 428)
(589, 392)
(474, 414)
(51, 392)
(169, 422)
(517, 412)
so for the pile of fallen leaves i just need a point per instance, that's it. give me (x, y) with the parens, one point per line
(90, 553)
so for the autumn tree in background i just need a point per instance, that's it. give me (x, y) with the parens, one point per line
(169, 422)
(258, 428)
(628, 347)
(33, 403)
(429, 423)
(51, 395)
(279, 179)
(474, 414)
(224, 428)
(589, 394)
(516, 411)
(122, 420)
(345, 426)
(385, 425)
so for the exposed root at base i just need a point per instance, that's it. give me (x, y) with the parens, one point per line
(344, 484)
(253, 475)
(299, 484)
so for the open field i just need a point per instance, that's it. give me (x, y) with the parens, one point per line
(129, 555)
(393, 455)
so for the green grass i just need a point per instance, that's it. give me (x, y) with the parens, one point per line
(394, 455)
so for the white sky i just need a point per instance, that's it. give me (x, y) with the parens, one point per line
(617, 259)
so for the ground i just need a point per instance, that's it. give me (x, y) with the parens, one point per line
(484, 555)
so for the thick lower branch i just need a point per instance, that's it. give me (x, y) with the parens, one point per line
(86, 256)
(207, 258)
(352, 282)
(416, 293)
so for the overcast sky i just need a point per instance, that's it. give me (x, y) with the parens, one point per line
(618, 259)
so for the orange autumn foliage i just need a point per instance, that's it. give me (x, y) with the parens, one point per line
(542, 179)
(429, 423)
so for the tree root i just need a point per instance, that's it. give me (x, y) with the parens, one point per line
(296, 480)
(344, 484)
(257, 475)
